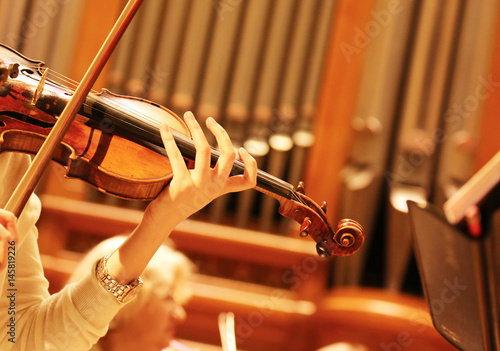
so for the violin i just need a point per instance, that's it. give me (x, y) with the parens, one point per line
(114, 144)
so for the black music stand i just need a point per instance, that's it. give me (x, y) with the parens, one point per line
(460, 272)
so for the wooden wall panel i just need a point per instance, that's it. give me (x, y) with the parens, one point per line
(489, 140)
(337, 103)
(93, 32)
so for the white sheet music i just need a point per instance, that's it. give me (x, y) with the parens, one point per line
(226, 330)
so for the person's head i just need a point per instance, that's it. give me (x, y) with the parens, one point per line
(154, 313)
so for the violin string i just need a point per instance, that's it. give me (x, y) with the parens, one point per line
(111, 102)
(38, 67)
(68, 83)
(65, 82)
(270, 180)
(296, 197)
(136, 112)
(276, 183)
(73, 84)
(56, 75)
(299, 199)
(59, 78)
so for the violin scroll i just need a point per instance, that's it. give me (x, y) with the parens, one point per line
(349, 234)
(344, 241)
(347, 239)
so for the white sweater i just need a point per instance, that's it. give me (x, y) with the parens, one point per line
(74, 318)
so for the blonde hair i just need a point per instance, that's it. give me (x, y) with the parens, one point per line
(167, 273)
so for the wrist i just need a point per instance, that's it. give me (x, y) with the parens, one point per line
(122, 292)
(161, 218)
(131, 258)
(122, 273)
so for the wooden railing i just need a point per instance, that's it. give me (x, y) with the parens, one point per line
(274, 285)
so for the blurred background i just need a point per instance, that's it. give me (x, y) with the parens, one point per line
(370, 103)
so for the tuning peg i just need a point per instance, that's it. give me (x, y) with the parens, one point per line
(323, 207)
(13, 70)
(300, 188)
(304, 227)
(323, 250)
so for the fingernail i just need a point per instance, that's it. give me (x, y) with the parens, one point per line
(212, 120)
(189, 114)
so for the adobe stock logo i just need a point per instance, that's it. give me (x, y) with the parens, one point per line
(39, 19)
(224, 6)
(276, 299)
(453, 119)
(380, 20)
(418, 320)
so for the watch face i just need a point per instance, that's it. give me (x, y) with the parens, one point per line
(130, 295)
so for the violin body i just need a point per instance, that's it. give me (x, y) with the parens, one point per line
(92, 149)
(114, 144)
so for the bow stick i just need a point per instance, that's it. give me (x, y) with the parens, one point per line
(27, 185)
(32, 176)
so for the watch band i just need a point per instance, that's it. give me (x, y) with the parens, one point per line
(123, 293)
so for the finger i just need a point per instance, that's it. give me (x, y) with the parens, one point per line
(12, 229)
(202, 159)
(174, 155)
(228, 155)
(3, 252)
(9, 222)
(5, 238)
(248, 179)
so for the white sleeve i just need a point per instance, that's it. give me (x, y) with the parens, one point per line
(72, 319)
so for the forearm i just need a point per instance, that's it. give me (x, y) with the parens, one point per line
(131, 258)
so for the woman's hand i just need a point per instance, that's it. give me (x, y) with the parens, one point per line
(191, 189)
(8, 235)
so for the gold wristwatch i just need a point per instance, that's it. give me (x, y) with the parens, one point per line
(123, 293)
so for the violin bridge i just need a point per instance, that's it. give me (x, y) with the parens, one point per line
(39, 88)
